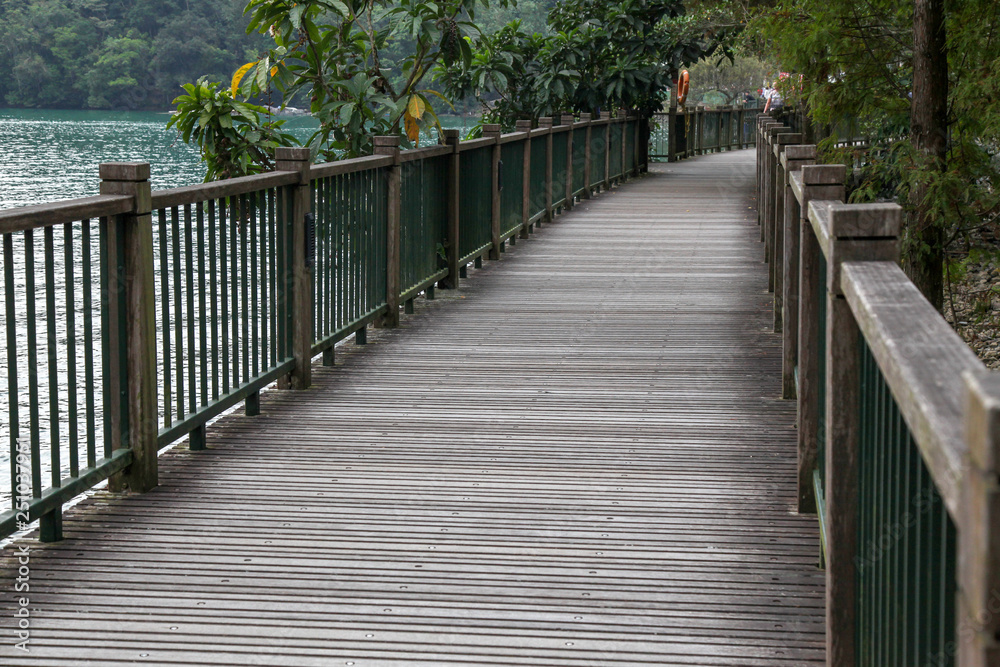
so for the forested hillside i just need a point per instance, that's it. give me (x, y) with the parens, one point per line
(134, 54)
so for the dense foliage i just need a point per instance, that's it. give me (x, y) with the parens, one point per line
(856, 61)
(116, 54)
(136, 54)
(596, 56)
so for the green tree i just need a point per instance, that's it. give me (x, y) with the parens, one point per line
(113, 81)
(934, 141)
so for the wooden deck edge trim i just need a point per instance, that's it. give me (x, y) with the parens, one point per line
(922, 359)
(232, 187)
(24, 218)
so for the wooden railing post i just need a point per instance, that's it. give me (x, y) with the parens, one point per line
(297, 159)
(390, 146)
(133, 389)
(451, 138)
(819, 182)
(492, 131)
(858, 232)
(642, 131)
(546, 123)
(786, 300)
(525, 126)
(978, 629)
(776, 228)
(587, 157)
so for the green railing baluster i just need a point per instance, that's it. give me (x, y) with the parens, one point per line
(167, 361)
(175, 237)
(254, 278)
(88, 343)
(72, 415)
(190, 323)
(235, 311)
(244, 275)
(12, 348)
(224, 291)
(55, 475)
(105, 287)
(30, 321)
(213, 271)
(202, 306)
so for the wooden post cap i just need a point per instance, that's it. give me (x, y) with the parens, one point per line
(868, 221)
(523, 125)
(983, 419)
(545, 121)
(800, 152)
(491, 130)
(824, 174)
(124, 171)
(291, 154)
(584, 117)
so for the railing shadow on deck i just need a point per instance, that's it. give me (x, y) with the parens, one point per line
(898, 424)
(208, 293)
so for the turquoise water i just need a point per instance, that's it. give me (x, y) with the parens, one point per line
(51, 155)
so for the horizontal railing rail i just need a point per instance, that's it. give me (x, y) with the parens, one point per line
(140, 315)
(899, 444)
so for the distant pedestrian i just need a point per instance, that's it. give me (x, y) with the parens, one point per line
(774, 104)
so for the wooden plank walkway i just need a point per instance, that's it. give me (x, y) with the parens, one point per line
(579, 459)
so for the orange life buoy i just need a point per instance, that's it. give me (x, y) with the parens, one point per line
(682, 86)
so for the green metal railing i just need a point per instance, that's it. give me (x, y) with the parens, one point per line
(617, 133)
(58, 361)
(539, 152)
(475, 202)
(512, 187)
(598, 149)
(349, 273)
(579, 160)
(423, 220)
(906, 563)
(631, 159)
(560, 144)
(221, 304)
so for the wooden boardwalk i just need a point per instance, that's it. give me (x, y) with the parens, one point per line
(581, 458)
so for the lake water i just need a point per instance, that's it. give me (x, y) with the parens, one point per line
(54, 155)
(51, 155)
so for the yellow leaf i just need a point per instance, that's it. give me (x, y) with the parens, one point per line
(416, 107)
(412, 129)
(274, 70)
(240, 73)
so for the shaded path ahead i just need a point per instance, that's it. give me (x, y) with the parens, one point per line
(578, 459)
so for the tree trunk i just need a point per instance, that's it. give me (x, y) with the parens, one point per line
(929, 134)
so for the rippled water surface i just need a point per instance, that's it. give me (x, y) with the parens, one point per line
(51, 155)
